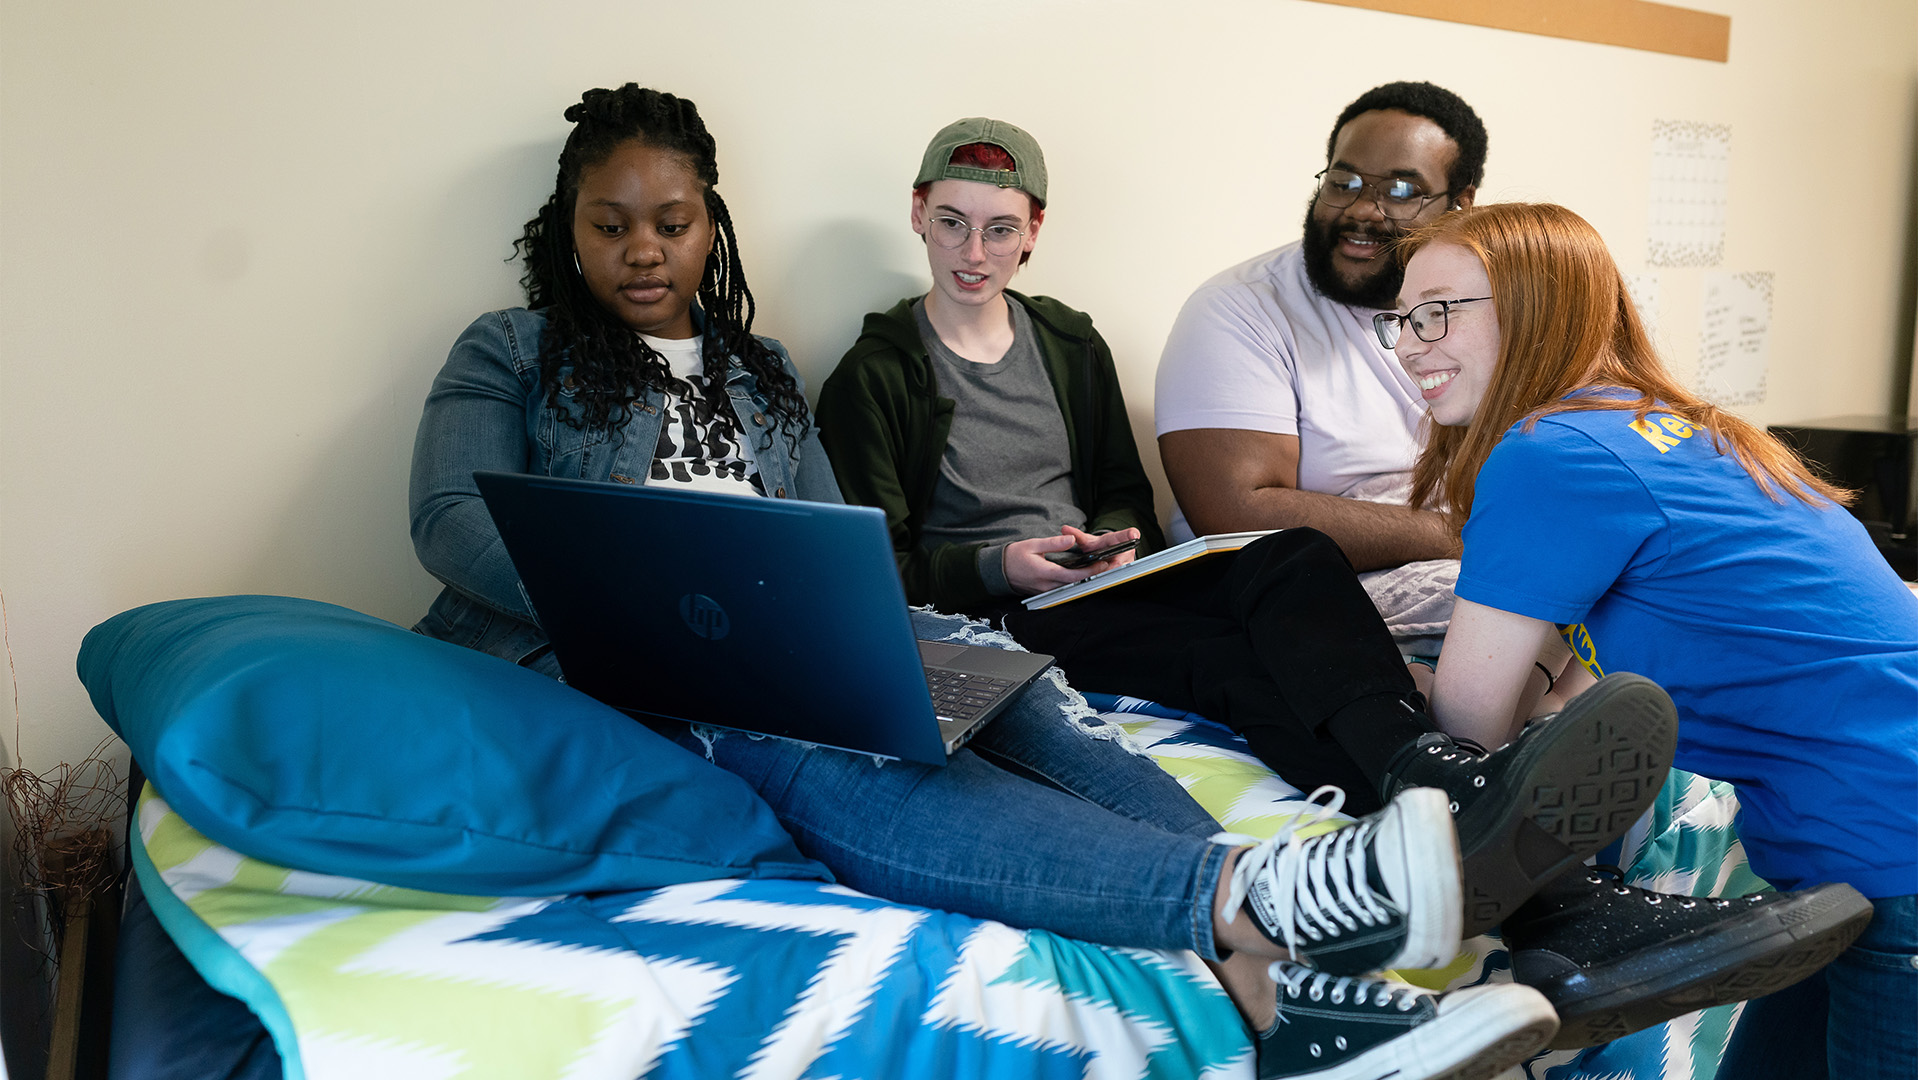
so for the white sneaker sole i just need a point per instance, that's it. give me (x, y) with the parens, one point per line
(1419, 859)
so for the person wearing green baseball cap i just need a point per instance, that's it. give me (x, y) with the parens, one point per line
(1008, 364)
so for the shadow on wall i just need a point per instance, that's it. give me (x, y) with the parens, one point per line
(342, 532)
(815, 305)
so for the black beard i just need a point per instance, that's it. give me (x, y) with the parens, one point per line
(1378, 290)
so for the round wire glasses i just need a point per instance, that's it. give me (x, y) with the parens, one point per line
(952, 232)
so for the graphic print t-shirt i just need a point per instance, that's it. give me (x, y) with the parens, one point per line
(1786, 641)
(699, 446)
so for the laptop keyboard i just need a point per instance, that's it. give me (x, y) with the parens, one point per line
(959, 696)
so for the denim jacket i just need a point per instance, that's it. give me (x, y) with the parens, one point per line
(487, 411)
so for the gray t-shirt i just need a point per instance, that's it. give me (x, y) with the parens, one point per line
(1007, 473)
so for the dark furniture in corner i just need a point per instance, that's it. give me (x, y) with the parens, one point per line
(1875, 456)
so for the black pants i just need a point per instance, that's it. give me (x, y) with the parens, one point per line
(1278, 641)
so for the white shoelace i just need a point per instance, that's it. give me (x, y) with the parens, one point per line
(1317, 886)
(1294, 981)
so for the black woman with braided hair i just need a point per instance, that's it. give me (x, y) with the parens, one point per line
(634, 362)
(592, 317)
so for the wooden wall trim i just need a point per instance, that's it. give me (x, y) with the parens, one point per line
(1633, 24)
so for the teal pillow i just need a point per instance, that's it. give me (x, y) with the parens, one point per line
(321, 739)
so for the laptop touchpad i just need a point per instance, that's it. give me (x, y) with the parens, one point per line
(937, 654)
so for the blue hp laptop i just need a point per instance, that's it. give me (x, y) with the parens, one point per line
(772, 616)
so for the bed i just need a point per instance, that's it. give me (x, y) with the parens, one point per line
(234, 963)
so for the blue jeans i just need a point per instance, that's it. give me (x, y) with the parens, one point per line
(1037, 823)
(1852, 1021)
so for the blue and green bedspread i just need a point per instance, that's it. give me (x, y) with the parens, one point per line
(784, 979)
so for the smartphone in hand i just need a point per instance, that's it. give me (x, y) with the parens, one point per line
(1077, 559)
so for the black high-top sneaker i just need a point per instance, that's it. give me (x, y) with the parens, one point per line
(1334, 1028)
(1383, 892)
(1571, 784)
(1613, 958)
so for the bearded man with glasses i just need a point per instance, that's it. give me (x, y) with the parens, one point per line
(1275, 405)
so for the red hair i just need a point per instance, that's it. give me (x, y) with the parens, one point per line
(1566, 322)
(982, 155)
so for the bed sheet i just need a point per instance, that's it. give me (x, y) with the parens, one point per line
(760, 978)
(784, 979)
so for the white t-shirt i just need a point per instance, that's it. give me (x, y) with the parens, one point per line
(702, 453)
(1257, 348)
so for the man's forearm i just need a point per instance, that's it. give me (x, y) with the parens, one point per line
(1373, 535)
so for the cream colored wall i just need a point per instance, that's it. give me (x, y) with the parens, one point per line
(239, 237)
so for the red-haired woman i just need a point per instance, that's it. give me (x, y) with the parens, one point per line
(1603, 507)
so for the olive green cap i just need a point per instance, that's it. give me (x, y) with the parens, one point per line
(1029, 173)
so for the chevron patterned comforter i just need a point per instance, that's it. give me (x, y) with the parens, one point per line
(785, 980)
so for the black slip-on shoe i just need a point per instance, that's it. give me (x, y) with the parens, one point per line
(1569, 785)
(1614, 959)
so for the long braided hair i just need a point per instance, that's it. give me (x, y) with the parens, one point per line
(589, 351)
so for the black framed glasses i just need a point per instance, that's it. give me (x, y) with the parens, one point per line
(1399, 198)
(952, 232)
(1428, 320)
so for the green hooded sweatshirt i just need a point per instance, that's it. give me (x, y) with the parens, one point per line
(885, 427)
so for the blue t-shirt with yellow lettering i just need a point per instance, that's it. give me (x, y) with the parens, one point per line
(1787, 642)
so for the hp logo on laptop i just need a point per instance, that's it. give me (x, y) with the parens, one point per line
(704, 616)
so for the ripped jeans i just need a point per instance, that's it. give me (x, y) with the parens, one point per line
(1046, 820)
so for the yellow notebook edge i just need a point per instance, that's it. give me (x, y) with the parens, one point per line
(1245, 538)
